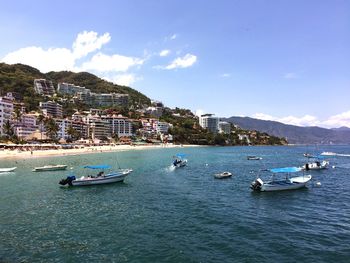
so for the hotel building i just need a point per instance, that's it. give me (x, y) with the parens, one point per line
(207, 121)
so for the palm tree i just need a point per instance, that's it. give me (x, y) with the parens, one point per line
(17, 115)
(51, 128)
(8, 129)
(41, 119)
(73, 133)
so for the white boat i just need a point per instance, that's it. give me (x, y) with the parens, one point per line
(50, 168)
(6, 170)
(329, 153)
(254, 157)
(281, 184)
(100, 178)
(223, 175)
(316, 165)
(179, 160)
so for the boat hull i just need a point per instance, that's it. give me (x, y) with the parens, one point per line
(107, 179)
(50, 168)
(290, 184)
(6, 170)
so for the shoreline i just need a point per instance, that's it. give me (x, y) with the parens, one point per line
(27, 154)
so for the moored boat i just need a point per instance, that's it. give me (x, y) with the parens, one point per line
(100, 178)
(253, 157)
(223, 175)
(47, 168)
(288, 183)
(6, 170)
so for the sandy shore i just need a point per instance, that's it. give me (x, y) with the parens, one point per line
(17, 154)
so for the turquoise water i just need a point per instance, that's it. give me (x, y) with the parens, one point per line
(160, 215)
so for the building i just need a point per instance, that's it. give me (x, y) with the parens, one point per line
(119, 125)
(71, 89)
(209, 122)
(103, 99)
(6, 109)
(64, 124)
(51, 108)
(97, 128)
(44, 87)
(161, 127)
(224, 127)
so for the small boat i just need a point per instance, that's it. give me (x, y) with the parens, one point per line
(47, 168)
(288, 183)
(316, 165)
(100, 178)
(6, 170)
(251, 157)
(329, 153)
(179, 160)
(223, 175)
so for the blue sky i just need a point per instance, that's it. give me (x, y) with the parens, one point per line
(280, 60)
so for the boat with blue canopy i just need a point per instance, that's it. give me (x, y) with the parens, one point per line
(100, 178)
(287, 183)
(179, 160)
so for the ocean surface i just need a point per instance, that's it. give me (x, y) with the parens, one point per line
(184, 215)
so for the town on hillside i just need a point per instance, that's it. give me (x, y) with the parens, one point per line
(74, 114)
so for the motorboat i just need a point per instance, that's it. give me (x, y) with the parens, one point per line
(101, 178)
(288, 183)
(222, 175)
(316, 165)
(179, 160)
(47, 168)
(251, 157)
(6, 170)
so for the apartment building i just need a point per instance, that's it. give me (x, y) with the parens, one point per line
(209, 122)
(44, 87)
(224, 127)
(71, 89)
(6, 109)
(119, 125)
(51, 108)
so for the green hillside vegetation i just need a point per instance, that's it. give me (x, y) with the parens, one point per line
(20, 78)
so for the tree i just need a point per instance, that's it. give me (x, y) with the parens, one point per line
(73, 133)
(8, 129)
(41, 119)
(51, 128)
(17, 115)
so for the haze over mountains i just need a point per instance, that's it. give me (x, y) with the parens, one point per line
(295, 134)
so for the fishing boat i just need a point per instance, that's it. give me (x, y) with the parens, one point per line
(315, 163)
(47, 168)
(6, 170)
(251, 157)
(179, 160)
(101, 177)
(288, 183)
(223, 175)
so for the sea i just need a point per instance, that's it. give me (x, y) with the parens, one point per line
(159, 214)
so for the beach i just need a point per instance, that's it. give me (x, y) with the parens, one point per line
(25, 154)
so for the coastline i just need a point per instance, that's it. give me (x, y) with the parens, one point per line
(27, 154)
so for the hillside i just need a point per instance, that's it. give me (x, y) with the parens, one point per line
(19, 78)
(294, 134)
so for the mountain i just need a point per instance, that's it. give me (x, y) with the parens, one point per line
(294, 134)
(19, 78)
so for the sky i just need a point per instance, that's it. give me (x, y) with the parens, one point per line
(280, 60)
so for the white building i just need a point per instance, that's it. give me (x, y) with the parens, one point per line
(224, 127)
(26, 126)
(119, 125)
(161, 127)
(64, 124)
(71, 89)
(6, 109)
(207, 121)
(51, 108)
(44, 87)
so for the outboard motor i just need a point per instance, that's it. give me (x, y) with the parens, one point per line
(257, 184)
(307, 168)
(68, 180)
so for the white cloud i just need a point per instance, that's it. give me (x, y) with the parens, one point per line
(102, 62)
(76, 59)
(87, 42)
(199, 112)
(164, 53)
(182, 62)
(291, 75)
(52, 59)
(339, 120)
(123, 79)
(225, 75)
(174, 36)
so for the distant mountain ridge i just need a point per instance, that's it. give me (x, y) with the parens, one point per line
(294, 134)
